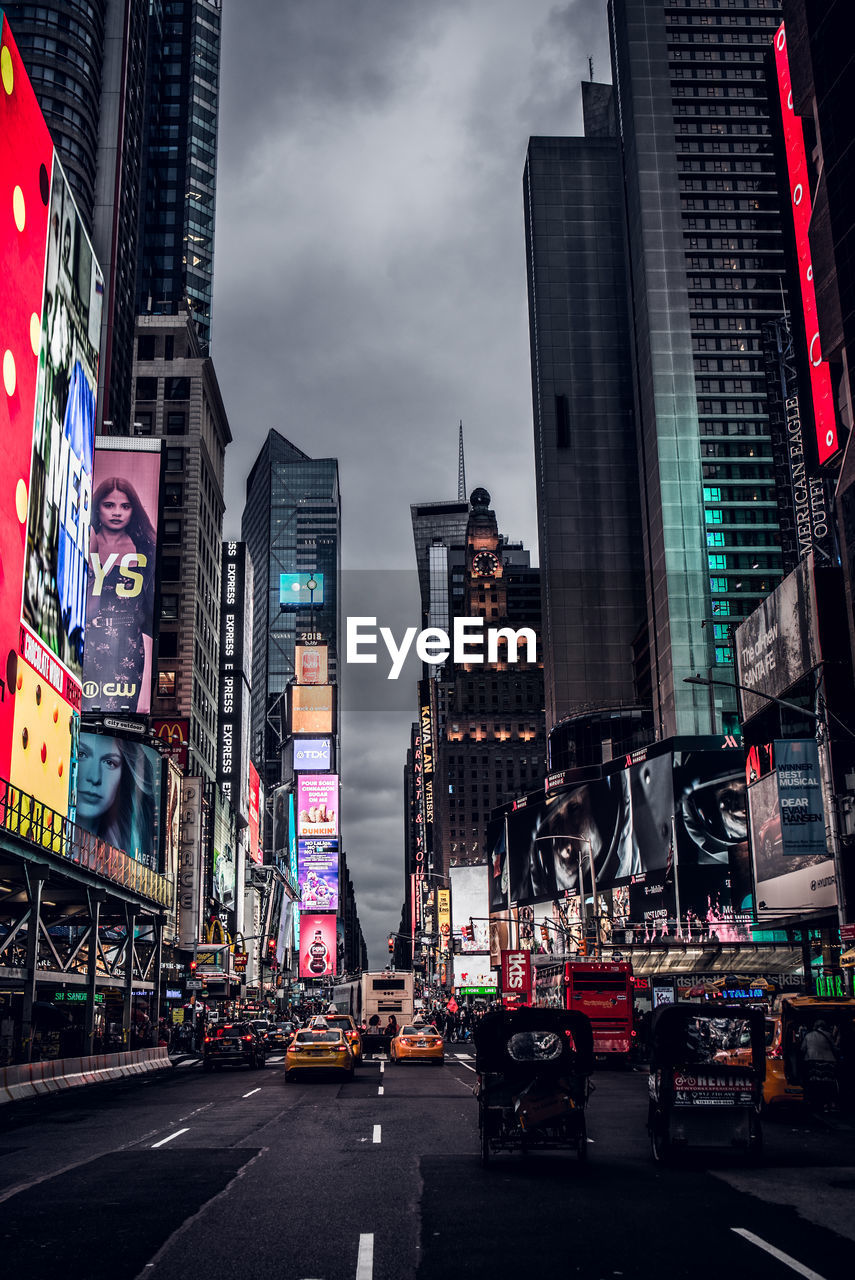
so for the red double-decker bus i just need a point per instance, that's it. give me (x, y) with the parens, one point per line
(602, 990)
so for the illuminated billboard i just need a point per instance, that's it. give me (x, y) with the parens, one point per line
(822, 395)
(118, 795)
(176, 734)
(317, 944)
(301, 590)
(312, 754)
(312, 708)
(120, 593)
(311, 663)
(50, 316)
(224, 851)
(317, 805)
(318, 874)
(470, 907)
(255, 810)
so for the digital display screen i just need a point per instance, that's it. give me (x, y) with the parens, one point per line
(301, 590)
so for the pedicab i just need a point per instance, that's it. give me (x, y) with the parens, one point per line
(697, 1097)
(534, 1067)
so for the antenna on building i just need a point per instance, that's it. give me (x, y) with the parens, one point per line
(461, 467)
(591, 68)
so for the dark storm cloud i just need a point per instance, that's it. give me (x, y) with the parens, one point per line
(370, 266)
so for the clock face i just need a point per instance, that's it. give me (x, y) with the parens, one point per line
(485, 564)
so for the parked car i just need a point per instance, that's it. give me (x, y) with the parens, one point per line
(235, 1043)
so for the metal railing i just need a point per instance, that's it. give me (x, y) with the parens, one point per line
(31, 820)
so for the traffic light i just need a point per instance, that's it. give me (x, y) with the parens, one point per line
(192, 968)
(583, 946)
(466, 932)
(544, 933)
(391, 943)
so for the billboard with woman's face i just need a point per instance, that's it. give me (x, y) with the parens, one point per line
(120, 582)
(118, 795)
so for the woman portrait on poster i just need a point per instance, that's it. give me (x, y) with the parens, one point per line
(116, 795)
(120, 604)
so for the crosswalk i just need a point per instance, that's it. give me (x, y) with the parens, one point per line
(276, 1059)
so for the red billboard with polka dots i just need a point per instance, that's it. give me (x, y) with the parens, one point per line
(50, 315)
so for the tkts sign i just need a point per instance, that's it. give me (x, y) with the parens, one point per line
(516, 977)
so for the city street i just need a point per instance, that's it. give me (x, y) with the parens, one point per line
(238, 1174)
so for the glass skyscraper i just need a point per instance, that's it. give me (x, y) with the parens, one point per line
(291, 524)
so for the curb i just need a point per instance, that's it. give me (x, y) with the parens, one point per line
(33, 1079)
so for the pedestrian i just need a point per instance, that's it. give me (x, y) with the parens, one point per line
(391, 1028)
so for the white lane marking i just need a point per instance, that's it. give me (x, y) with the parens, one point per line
(380, 1091)
(188, 1062)
(365, 1260)
(382, 1066)
(776, 1253)
(466, 1065)
(163, 1141)
(252, 1091)
(376, 1137)
(463, 1057)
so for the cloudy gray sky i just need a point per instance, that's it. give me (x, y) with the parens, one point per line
(370, 287)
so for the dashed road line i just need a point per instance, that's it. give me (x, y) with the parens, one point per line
(380, 1091)
(365, 1259)
(163, 1141)
(798, 1267)
(376, 1137)
(252, 1091)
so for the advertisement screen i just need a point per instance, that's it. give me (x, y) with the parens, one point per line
(312, 708)
(224, 853)
(26, 151)
(317, 805)
(311, 664)
(118, 795)
(254, 814)
(120, 592)
(779, 642)
(312, 753)
(802, 826)
(822, 393)
(176, 734)
(473, 975)
(317, 945)
(470, 908)
(60, 506)
(787, 882)
(280, 824)
(318, 874)
(300, 590)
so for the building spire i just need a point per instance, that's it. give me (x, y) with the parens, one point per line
(461, 467)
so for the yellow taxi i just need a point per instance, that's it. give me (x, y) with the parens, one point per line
(417, 1043)
(346, 1023)
(318, 1049)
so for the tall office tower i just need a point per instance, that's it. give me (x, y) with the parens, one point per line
(706, 271)
(436, 527)
(87, 62)
(291, 525)
(489, 736)
(176, 260)
(178, 398)
(586, 469)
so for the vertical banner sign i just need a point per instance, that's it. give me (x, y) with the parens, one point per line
(120, 591)
(516, 977)
(254, 814)
(317, 805)
(190, 863)
(427, 746)
(444, 917)
(820, 376)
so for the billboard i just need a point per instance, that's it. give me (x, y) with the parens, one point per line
(317, 805)
(822, 395)
(26, 157)
(120, 592)
(118, 795)
(223, 852)
(50, 315)
(470, 907)
(473, 975)
(516, 977)
(443, 911)
(779, 642)
(301, 590)
(312, 753)
(311, 664)
(312, 708)
(176, 735)
(255, 811)
(793, 872)
(190, 863)
(318, 944)
(317, 876)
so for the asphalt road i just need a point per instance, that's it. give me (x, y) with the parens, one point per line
(237, 1175)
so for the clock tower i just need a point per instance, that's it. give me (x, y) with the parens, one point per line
(485, 589)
